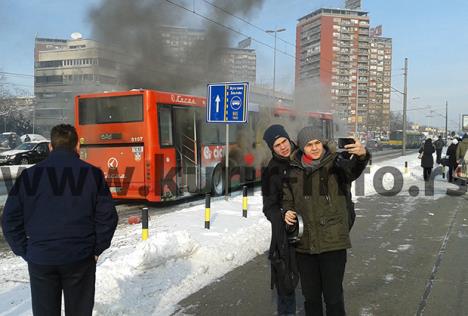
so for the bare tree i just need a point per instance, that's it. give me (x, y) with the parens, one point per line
(12, 115)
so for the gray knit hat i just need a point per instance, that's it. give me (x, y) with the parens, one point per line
(307, 134)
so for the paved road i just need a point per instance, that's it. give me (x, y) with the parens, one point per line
(408, 258)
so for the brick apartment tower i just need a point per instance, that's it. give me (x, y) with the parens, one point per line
(332, 50)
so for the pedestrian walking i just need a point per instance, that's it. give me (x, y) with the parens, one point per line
(318, 188)
(284, 274)
(27, 138)
(427, 160)
(439, 145)
(452, 159)
(59, 217)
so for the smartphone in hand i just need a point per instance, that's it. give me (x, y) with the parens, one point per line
(342, 142)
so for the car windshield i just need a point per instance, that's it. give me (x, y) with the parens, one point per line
(26, 146)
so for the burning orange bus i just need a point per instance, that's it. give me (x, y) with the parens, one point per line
(157, 146)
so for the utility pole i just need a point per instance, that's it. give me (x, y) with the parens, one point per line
(446, 122)
(34, 117)
(405, 99)
(357, 100)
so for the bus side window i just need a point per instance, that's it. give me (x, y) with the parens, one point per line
(165, 126)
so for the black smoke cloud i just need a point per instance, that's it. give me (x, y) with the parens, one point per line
(136, 29)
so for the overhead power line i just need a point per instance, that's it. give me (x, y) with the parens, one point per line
(15, 74)
(229, 28)
(247, 22)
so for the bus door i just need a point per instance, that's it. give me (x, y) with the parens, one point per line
(185, 141)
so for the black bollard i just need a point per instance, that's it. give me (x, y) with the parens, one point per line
(144, 223)
(244, 201)
(207, 211)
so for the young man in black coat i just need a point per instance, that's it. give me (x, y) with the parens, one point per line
(60, 216)
(281, 254)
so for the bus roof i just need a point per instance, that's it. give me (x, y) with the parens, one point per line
(161, 96)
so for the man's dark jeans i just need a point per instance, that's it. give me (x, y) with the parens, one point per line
(323, 274)
(77, 281)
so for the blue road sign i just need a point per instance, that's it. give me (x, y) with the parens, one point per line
(227, 102)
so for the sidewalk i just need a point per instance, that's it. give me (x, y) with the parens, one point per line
(407, 258)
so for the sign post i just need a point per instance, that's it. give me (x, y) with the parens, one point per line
(227, 103)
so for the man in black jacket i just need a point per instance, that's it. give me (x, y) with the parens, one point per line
(439, 145)
(60, 216)
(282, 256)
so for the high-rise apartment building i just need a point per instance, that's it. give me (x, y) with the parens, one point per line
(65, 68)
(332, 50)
(380, 80)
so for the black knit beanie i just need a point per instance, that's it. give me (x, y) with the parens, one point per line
(274, 132)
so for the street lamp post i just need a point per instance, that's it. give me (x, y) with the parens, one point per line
(274, 56)
(34, 118)
(405, 98)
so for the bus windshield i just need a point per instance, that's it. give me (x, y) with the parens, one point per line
(119, 109)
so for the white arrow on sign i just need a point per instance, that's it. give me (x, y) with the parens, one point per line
(217, 102)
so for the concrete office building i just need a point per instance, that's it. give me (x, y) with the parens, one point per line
(65, 68)
(240, 64)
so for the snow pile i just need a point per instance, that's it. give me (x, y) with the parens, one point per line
(174, 263)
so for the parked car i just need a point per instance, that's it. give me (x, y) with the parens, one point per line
(8, 140)
(26, 153)
(32, 138)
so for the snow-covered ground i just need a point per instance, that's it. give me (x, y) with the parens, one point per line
(8, 172)
(136, 277)
(12, 171)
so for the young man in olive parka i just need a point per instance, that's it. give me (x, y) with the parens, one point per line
(319, 189)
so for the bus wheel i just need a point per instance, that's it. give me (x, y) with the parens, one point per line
(217, 181)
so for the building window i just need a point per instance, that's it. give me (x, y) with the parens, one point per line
(50, 63)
